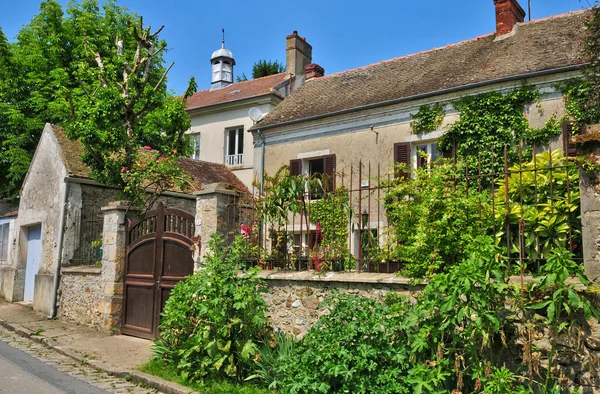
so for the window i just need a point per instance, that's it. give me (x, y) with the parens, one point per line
(196, 144)
(425, 154)
(4, 241)
(322, 168)
(234, 155)
(421, 154)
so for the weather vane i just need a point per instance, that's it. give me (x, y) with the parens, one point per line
(223, 41)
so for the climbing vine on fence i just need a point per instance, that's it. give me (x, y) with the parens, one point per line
(428, 118)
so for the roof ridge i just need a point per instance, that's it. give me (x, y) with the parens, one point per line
(463, 42)
(236, 83)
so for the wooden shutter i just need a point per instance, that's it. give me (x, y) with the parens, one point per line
(295, 167)
(568, 131)
(402, 155)
(329, 173)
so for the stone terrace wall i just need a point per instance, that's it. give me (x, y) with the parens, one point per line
(80, 296)
(294, 297)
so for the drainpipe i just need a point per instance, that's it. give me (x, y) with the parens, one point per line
(261, 178)
(61, 232)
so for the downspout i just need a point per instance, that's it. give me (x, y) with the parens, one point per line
(261, 178)
(61, 232)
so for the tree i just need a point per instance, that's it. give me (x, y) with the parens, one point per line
(99, 73)
(263, 68)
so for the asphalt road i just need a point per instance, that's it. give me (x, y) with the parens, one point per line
(21, 373)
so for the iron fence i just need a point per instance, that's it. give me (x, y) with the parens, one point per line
(519, 192)
(88, 237)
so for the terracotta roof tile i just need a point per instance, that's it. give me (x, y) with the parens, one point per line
(536, 46)
(236, 91)
(202, 172)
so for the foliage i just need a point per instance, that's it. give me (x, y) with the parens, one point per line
(168, 371)
(272, 354)
(97, 72)
(332, 213)
(576, 94)
(214, 320)
(543, 203)
(490, 121)
(460, 335)
(590, 105)
(352, 349)
(263, 68)
(150, 175)
(428, 118)
(433, 218)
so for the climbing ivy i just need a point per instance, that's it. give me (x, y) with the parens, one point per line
(492, 120)
(428, 118)
(576, 93)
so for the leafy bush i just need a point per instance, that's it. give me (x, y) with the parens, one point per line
(214, 320)
(545, 194)
(353, 349)
(271, 355)
(433, 218)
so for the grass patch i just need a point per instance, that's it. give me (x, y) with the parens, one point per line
(169, 372)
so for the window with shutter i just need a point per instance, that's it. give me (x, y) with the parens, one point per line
(450, 153)
(402, 155)
(329, 173)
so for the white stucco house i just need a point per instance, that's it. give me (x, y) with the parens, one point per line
(220, 119)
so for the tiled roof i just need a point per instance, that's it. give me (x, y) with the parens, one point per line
(236, 91)
(202, 172)
(539, 45)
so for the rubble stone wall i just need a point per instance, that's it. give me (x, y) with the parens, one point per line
(80, 295)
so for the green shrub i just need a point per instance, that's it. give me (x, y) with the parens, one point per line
(353, 349)
(272, 354)
(433, 218)
(214, 320)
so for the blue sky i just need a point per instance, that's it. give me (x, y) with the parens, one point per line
(344, 34)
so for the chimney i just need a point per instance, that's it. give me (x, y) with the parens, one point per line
(298, 54)
(508, 14)
(314, 71)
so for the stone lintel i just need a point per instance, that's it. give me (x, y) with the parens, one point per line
(82, 270)
(119, 206)
(215, 188)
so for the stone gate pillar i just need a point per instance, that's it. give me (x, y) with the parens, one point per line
(114, 249)
(211, 215)
(589, 189)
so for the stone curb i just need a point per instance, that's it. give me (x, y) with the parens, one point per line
(151, 381)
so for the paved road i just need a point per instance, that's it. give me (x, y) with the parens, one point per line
(22, 373)
(27, 367)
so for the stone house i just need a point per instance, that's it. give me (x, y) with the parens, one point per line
(220, 115)
(58, 194)
(331, 123)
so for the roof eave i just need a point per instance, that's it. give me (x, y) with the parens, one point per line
(270, 96)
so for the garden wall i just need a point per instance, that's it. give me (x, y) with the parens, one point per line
(294, 297)
(80, 295)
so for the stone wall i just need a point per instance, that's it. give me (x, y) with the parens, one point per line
(294, 297)
(80, 295)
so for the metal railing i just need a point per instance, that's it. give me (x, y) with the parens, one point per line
(236, 160)
(299, 243)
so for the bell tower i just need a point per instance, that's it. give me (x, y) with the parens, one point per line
(222, 66)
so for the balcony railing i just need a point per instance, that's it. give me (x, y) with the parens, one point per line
(234, 160)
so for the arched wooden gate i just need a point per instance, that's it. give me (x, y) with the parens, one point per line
(158, 256)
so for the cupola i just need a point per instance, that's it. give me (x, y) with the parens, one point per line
(222, 67)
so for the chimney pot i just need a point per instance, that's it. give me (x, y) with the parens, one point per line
(508, 14)
(314, 71)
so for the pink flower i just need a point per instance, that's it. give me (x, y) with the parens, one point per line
(123, 170)
(147, 147)
(245, 230)
(319, 232)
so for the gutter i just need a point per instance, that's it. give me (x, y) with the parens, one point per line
(61, 226)
(428, 94)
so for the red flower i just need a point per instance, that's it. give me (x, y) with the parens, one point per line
(245, 230)
(123, 170)
(147, 147)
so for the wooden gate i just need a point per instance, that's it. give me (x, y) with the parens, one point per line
(158, 256)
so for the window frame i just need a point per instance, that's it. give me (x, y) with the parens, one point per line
(234, 159)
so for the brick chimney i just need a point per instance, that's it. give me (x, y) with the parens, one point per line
(508, 14)
(298, 54)
(314, 71)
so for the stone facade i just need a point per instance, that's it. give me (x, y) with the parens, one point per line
(293, 297)
(80, 295)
